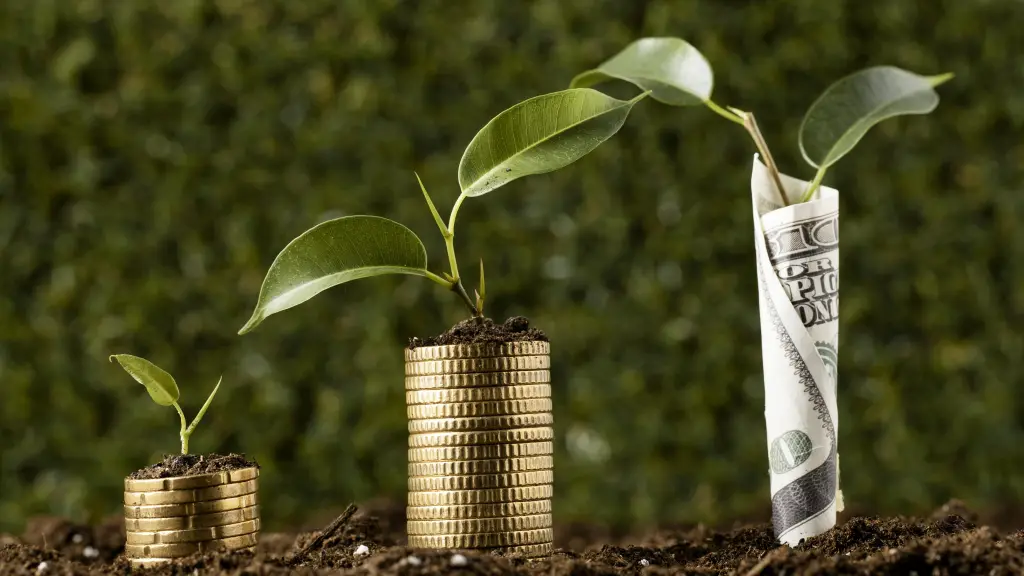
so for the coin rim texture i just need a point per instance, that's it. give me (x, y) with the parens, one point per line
(483, 496)
(508, 436)
(479, 481)
(527, 550)
(186, 482)
(477, 380)
(481, 451)
(481, 423)
(191, 508)
(474, 365)
(189, 548)
(467, 511)
(481, 350)
(194, 534)
(192, 495)
(484, 540)
(478, 525)
(192, 521)
(479, 409)
(494, 393)
(484, 466)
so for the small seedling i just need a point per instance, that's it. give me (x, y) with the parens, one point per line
(677, 74)
(163, 390)
(536, 136)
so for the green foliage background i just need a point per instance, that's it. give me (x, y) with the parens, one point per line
(156, 156)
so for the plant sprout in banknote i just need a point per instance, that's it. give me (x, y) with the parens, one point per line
(677, 74)
(538, 135)
(163, 390)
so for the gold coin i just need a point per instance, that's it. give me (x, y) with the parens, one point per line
(506, 480)
(478, 525)
(528, 551)
(481, 423)
(189, 522)
(484, 452)
(488, 540)
(188, 548)
(471, 365)
(186, 482)
(477, 380)
(486, 350)
(485, 496)
(480, 437)
(193, 495)
(464, 409)
(497, 510)
(453, 395)
(143, 562)
(194, 534)
(493, 466)
(191, 508)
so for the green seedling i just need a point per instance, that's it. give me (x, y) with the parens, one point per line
(163, 390)
(536, 136)
(676, 73)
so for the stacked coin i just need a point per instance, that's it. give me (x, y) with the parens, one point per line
(168, 518)
(481, 447)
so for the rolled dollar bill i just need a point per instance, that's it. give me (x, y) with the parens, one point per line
(797, 250)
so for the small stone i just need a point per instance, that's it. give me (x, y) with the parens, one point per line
(414, 561)
(459, 560)
(361, 550)
(90, 552)
(43, 567)
(77, 538)
(645, 562)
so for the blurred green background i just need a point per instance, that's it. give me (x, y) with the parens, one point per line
(156, 155)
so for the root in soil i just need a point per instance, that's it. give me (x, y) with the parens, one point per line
(949, 542)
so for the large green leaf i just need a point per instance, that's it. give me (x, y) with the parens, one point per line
(161, 386)
(540, 135)
(675, 72)
(849, 108)
(335, 252)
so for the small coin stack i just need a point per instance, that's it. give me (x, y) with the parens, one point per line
(167, 518)
(481, 447)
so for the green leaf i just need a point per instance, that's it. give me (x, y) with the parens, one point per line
(675, 72)
(335, 252)
(849, 108)
(540, 135)
(161, 386)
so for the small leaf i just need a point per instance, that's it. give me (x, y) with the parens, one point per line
(540, 135)
(335, 252)
(849, 108)
(675, 72)
(161, 386)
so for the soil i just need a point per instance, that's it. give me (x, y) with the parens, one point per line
(484, 331)
(174, 465)
(949, 542)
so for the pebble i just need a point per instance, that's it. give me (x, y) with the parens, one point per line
(90, 552)
(459, 560)
(43, 567)
(362, 550)
(414, 561)
(77, 538)
(645, 562)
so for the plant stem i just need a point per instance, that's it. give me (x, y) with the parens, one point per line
(762, 146)
(815, 184)
(184, 430)
(724, 113)
(449, 241)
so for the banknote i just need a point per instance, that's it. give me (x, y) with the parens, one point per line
(797, 249)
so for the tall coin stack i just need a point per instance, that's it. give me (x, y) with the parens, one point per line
(481, 447)
(167, 518)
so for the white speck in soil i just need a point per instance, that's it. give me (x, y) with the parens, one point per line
(77, 538)
(414, 561)
(645, 562)
(362, 550)
(43, 567)
(459, 560)
(90, 552)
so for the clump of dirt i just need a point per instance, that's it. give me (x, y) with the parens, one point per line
(484, 331)
(79, 542)
(174, 465)
(356, 544)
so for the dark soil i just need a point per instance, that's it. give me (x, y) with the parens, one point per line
(947, 543)
(174, 465)
(484, 331)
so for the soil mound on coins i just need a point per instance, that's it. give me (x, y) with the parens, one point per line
(174, 465)
(369, 543)
(484, 331)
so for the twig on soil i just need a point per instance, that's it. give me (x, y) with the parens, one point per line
(756, 570)
(335, 526)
